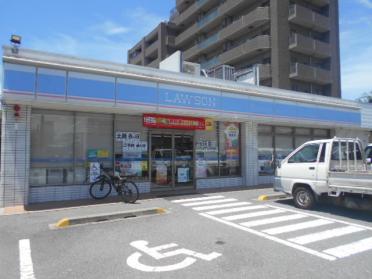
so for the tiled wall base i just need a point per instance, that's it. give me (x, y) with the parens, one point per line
(265, 179)
(72, 192)
(219, 183)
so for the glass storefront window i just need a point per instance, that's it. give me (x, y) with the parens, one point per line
(265, 154)
(52, 151)
(229, 148)
(206, 153)
(65, 145)
(283, 146)
(131, 147)
(93, 143)
(286, 139)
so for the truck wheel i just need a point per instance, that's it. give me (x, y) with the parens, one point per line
(303, 198)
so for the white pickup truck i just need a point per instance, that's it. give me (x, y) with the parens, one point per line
(334, 167)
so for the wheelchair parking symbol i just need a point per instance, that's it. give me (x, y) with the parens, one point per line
(190, 256)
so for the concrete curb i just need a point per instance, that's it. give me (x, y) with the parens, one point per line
(67, 222)
(272, 197)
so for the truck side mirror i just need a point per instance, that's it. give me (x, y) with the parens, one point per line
(279, 164)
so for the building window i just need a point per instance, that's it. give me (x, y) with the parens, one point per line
(207, 153)
(52, 153)
(131, 147)
(229, 142)
(93, 143)
(65, 144)
(218, 151)
(265, 150)
(275, 143)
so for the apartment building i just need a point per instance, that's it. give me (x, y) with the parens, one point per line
(294, 44)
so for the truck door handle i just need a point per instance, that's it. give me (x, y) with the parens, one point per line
(311, 168)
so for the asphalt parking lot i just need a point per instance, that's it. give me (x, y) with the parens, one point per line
(216, 235)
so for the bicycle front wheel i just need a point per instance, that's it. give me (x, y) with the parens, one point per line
(100, 189)
(129, 192)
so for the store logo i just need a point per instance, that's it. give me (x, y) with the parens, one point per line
(190, 100)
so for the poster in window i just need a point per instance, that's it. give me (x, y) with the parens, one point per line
(201, 168)
(130, 168)
(94, 171)
(183, 175)
(231, 133)
(161, 174)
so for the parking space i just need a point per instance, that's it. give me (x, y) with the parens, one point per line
(224, 235)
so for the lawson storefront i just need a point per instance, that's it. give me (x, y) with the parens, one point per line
(61, 116)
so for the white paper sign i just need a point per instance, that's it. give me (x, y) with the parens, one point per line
(94, 171)
(128, 136)
(183, 175)
(135, 146)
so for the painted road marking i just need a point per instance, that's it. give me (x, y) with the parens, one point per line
(190, 256)
(351, 248)
(198, 199)
(297, 242)
(209, 207)
(273, 220)
(313, 237)
(297, 227)
(208, 202)
(253, 214)
(25, 261)
(273, 238)
(235, 209)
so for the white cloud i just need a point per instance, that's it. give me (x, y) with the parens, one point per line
(144, 21)
(356, 66)
(107, 40)
(110, 28)
(367, 3)
(95, 47)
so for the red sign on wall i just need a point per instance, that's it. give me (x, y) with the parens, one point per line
(152, 120)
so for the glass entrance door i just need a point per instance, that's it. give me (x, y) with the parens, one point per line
(161, 160)
(172, 160)
(183, 160)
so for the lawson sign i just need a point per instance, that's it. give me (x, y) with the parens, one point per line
(40, 84)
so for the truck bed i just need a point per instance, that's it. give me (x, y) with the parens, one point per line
(359, 182)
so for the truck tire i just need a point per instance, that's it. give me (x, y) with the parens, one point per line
(303, 197)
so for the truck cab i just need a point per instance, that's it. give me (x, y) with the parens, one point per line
(331, 167)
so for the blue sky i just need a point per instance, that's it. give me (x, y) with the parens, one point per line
(106, 29)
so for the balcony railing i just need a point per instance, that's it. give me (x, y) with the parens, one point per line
(308, 18)
(210, 63)
(249, 48)
(208, 18)
(309, 46)
(255, 18)
(310, 74)
(191, 12)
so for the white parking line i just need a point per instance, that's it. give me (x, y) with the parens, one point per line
(235, 209)
(297, 227)
(209, 207)
(273, 220)
(208, 202)
(25, 261)
(273, 238)
(313, 237)
(198, 199)
(344, 251)
(253, 214)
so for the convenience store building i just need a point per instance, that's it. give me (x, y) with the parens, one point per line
(62, 115)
